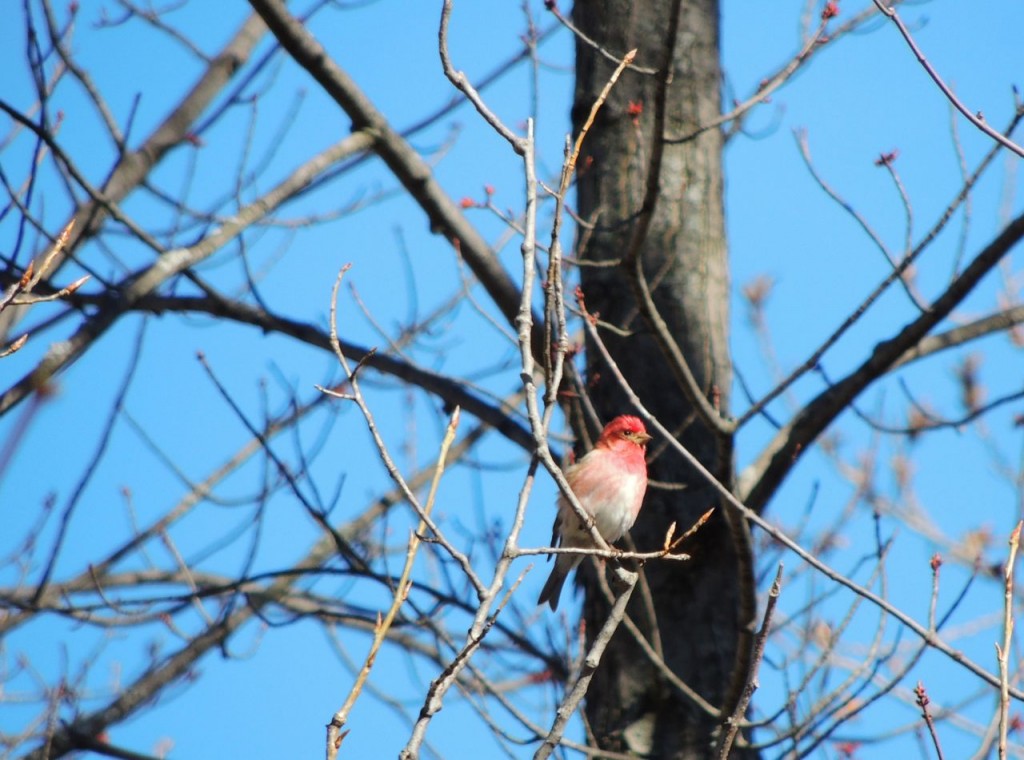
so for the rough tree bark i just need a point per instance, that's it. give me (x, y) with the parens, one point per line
(698, 604)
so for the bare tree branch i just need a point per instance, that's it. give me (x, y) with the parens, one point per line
(759, 481)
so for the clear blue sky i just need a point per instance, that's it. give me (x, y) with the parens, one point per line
(864, 97)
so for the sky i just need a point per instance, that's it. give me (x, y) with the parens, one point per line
(864, 97)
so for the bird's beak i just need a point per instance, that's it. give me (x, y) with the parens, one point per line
(643, 438)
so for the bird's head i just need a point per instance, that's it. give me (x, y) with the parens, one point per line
(627, 428)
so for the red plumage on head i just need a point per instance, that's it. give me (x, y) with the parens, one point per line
(624, 424)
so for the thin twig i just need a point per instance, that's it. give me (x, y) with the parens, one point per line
(764, 89)
(486, 613)
(732, 725)
(898, 267)
(593, 659)
(461, 83)
(975, 118)
(1003, 652)
(554, 292)
(613, 553)
(340, 718)
(382, 449)
(55, 296)
(28, 281)
(921, 697)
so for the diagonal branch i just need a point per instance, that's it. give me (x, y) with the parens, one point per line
(135, 166)
(928, 635)
(152, 682)
(760, 481)
(499, 416)
(404, 162)
(173, 262)
(958, 336)
(905, 263)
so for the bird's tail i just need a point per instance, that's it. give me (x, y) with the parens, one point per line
(564, 564)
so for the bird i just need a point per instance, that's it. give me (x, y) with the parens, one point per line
(609, 482)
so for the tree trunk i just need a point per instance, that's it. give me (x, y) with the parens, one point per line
(703, 607)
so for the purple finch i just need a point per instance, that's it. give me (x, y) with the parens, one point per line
(609, 483)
